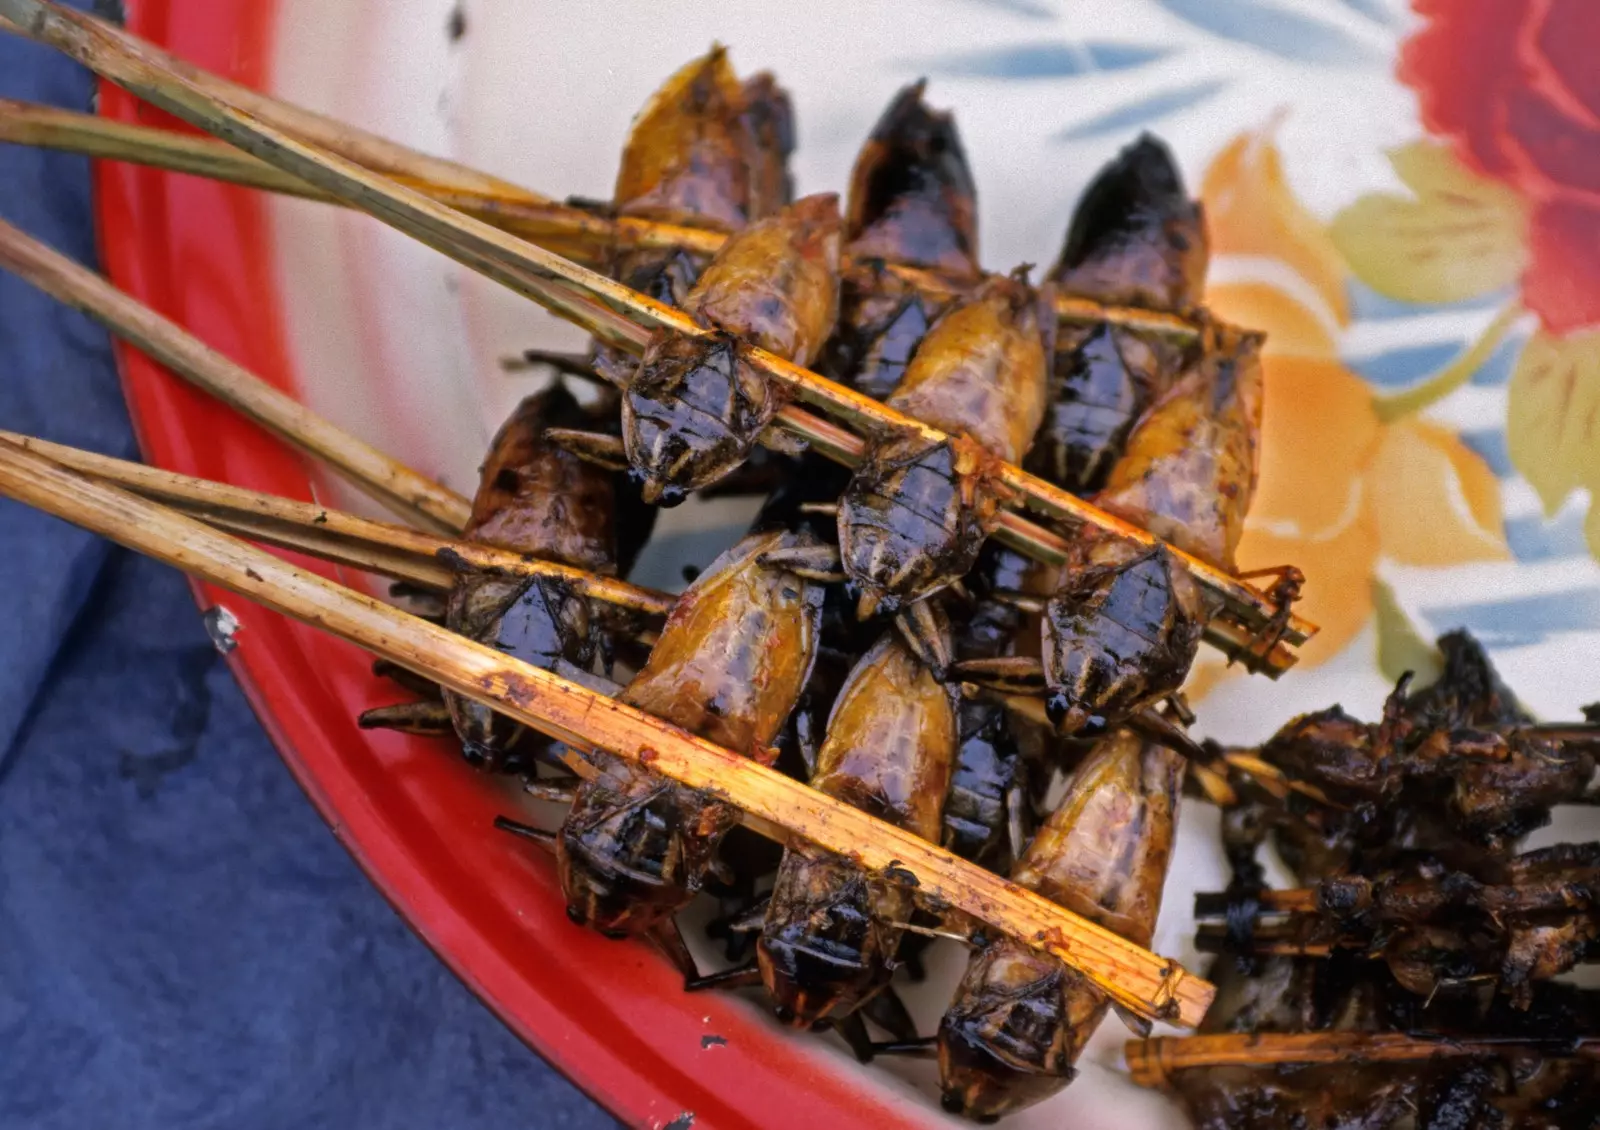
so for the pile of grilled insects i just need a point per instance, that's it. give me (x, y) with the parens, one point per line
(1411, 980)
(878, 634)
(864, 636)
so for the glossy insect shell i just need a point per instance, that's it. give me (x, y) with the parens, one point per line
(1122, 632)
(912, 198)
(831, 929)
(533, 498)
(1020, 1018)
(695, 407)
(729, 665)
(914, 516)
(1190, 466)
(1136, 239)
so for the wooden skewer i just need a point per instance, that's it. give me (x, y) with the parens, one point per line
(370, 149)
(1149, 985)
(1573, 892)
(1151, 1062)
(378, 547)
(398, 487)
(572, 291)
(550, 225)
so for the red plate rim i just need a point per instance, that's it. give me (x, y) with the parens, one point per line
(417, 823)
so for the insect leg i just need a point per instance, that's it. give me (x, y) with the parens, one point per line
(1009, 674)
(595, 447)
(539, 836)
(814, 562)
(427, 719)
(854, 1031)
(740, 976)
(558, 789)
(927, 634)
(669, 940)
(416, 684)
(888, 1012)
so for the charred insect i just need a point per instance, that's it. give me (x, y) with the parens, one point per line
(1020, 1017)
(831, 931)
(1137, 239)
(1120, 635)
(915, 515)
(537, 499)
(911, 203)
(912, 199)
(1457, 773)
(694, 407)
(729, 665)
(1189, 471)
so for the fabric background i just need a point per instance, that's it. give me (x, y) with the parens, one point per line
(182, 942)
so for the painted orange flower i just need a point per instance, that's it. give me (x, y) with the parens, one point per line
(1347, 479)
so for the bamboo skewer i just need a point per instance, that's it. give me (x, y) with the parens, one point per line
(1416, 900)
(370, 149)
(379, 547)
(397, 486)
(1150, 985)
(1151, 1062)
(405, 554)
(570, 290)
(553, 226)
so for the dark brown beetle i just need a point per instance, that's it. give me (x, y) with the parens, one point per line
(1136, 239)
(729, 665)
(1021, 1017)
(915, 514)
(912, 203)
(832, 928)
(537, 499)
(694, 407)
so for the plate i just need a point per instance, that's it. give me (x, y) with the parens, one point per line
(1415, 501)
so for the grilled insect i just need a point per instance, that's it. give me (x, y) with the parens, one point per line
(915, 514)
(1124, 629)
(912, 203)
(729, 665)
(694, 407)
(1190, 468)
(1020, 1017)
(1457, 773)
(831, 931)
(704, 152)
(537, 499)
(912, 198)
(1118, 636)
(1137, 239)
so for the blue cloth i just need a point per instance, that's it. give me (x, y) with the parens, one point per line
(182, 943)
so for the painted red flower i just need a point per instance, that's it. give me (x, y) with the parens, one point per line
(1514, 86)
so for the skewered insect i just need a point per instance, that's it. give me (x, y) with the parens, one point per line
(915, 515)
(1124, 629)
(729, 665)
(1136, 237)
(831, 931)
(537, 499)
(912, 203)
(694, 407)
(1020, 1018)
